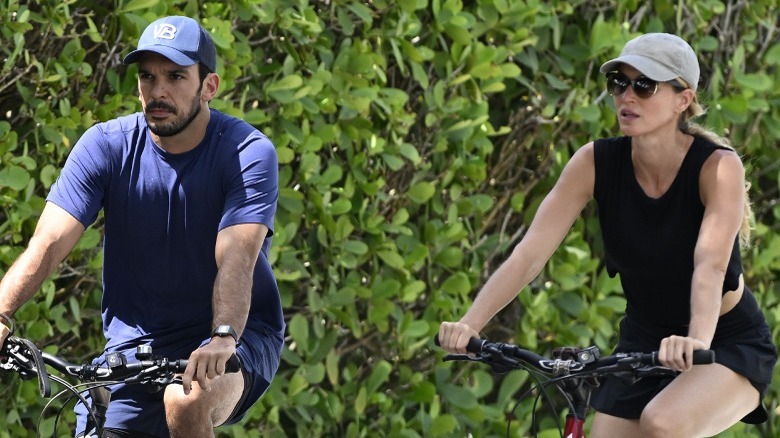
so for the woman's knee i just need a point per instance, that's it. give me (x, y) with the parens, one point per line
(658, 421)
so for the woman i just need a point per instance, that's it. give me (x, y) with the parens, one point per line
(673, 211)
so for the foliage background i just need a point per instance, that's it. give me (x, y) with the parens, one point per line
(416, 139)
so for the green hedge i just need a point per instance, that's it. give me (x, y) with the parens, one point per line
(416, 139)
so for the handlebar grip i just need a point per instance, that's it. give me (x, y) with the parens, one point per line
(700, 357)
(703, 357)
(474, 345)
(233, 364)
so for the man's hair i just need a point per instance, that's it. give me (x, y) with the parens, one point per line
(203, 71)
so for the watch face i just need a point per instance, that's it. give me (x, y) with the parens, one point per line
(225, 330)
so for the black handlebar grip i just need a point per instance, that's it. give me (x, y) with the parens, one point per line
(703, 357)
(475, 345)
(233, 364)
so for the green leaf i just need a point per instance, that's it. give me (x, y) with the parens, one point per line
(379, 375)
(361, 401)
(289, 82)
(443, 426)
(135, 5)
(421, 192)
(772, 56)
(14, 177)
(392, 258)
(299, 330)
(458, 396)
(755, 81)
(355, 247)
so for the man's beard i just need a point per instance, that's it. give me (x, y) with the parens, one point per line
(175, 127)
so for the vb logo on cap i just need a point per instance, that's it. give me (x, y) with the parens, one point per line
(180, 39)
(165, 31)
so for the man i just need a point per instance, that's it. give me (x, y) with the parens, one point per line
(189, 196)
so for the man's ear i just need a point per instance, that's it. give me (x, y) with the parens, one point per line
(210, 86)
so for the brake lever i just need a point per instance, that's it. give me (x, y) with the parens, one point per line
(655, 371)
(461, 357)
(497, 366)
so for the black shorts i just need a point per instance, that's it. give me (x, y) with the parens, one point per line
(742, 343)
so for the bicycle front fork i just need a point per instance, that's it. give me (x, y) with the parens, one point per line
(575, 427)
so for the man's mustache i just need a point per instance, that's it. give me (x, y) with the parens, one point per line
(160, 105)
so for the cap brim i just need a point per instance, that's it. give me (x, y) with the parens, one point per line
(174, 55)
(648, 67)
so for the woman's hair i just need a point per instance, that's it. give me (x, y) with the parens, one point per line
(687, 126)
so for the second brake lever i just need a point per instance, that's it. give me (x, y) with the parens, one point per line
(502, 366)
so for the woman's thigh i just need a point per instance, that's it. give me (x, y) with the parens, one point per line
(608, 426)
(704, 401)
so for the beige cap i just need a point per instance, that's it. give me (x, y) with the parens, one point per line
(659, 56)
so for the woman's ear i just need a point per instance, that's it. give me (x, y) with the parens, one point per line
(685, 98)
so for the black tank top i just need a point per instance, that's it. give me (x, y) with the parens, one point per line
(650, 241)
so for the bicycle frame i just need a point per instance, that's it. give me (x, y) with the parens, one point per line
(578, 391)
(575, 427)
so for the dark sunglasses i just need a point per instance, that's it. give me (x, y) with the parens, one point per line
(644, 87)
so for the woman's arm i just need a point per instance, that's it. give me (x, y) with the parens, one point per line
(721, 185)
(552, 222)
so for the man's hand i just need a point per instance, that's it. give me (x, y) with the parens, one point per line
(6, 327)
(208, 363)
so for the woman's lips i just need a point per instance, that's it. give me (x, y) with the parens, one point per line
(628, 114)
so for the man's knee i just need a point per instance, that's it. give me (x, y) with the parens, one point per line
(214, 407)
(185, 407)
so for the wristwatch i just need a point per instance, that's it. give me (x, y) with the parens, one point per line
(224, 331)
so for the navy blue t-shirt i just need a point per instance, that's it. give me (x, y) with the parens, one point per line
(162, 213)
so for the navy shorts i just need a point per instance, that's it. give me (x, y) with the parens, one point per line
(260, 355)
(135, 410)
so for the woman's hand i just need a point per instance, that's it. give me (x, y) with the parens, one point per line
(676, 352)
(454, 336)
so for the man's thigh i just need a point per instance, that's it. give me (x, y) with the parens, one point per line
(219, 403)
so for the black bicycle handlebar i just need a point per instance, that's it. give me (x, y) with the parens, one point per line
(503, 356)
(24, 357)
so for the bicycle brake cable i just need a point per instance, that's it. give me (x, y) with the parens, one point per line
(44, 386)
(540, 386)
(75, 392)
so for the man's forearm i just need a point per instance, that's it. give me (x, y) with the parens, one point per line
(25, 277)
(232, 297)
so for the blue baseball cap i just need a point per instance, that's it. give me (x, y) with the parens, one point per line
(180, 39)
